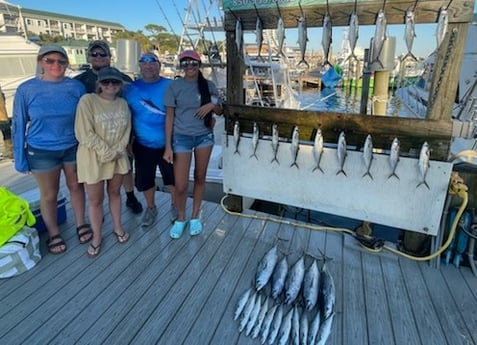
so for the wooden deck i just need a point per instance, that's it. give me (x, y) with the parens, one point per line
(154, 290)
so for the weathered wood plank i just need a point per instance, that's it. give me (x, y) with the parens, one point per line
(461, 11)
(404, 329)
(411, 132)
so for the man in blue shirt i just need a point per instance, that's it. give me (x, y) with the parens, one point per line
(145, 98)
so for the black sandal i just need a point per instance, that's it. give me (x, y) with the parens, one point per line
(82, 231)
(55, 242)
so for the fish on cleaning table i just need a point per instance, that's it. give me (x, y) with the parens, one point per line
(275, 143)
(341, 153)
(394, 157)
(236, 137)
(368, 155)
(295, 146)
(255, 137)
(424, 164)
(318, 150)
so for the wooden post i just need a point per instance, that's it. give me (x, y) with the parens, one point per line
(446, 73)
(380, 98)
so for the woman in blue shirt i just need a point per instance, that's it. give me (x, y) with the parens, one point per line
(44, 141)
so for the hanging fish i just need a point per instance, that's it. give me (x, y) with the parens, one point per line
(394, 157)
(341, 153)
(265, 268)
(325, 330)
(327, 38)
(239, 36)
(280, 32)
(368, 156)
(379, 37)
(424, 157)
(242, 302)
(267, 323)
(442, 24)
(311, 285)
(353, 33)
(302, 39)
(259, 36)
(294, 280)
(295, 146)
(236, 137)
(409, 33)
(279, 276)
(275, 143)
(255, 137)
(318, 150)
(327, 291)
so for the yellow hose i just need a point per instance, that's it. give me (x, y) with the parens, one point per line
(456, 187)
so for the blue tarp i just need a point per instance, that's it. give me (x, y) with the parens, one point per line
(330, 78)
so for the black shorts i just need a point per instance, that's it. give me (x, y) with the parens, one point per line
(146, 160)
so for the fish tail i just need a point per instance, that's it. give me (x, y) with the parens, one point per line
(393, 174)
(303, 61)
(341, 171)
(237, 152)
(423, 183)
(294, 164)
(367, 173)
(275, 160)
(409, 55)
(318, 168)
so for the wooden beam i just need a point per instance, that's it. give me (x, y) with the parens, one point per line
(411, 132)
(461, 11)
(446, 72)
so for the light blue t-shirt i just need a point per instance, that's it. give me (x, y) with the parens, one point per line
(44, 116)
(148, 111)
(184, 95)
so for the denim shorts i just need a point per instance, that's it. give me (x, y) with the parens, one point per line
(186, 143)
(40, 160)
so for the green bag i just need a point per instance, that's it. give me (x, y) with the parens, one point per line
(14, 214)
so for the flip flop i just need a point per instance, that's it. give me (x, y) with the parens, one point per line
(195, 227)
(123, 238)
(55, 242)
(93, 250)
(177, 229)
(82, 231)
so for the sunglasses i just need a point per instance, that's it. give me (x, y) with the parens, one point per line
(187, 63)
(50, 61)
(110, 81)
(96, 54)
(148, 59)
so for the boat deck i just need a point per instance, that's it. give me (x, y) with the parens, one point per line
(154, 290)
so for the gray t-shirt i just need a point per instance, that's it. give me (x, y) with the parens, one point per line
(184, 95)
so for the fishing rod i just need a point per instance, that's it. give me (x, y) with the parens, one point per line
(169, 23)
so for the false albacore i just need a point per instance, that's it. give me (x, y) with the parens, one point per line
(368, 155)
(236, 136)
(327, 291)
(325, 330)
(255, 137)
(280, 35)
(379, 37)
(311, 285)
(265, 268)
(259, 36)
(253, 315)
(318, 149)
(409, 33)
(279, 276)
(294, 280)
(353, 34)
(341, 153)
(276, 323)
(242, 302)
(267, 323)
(295, 332)
(302, 39)
(295, 146)
(314, 328)
(261, 318)
(442, 24)
(327, 38)
(275, 143)
(239, 36)
(247, 311)
(304, 324)
(285, 328)
(394, 157)
(424, 157)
